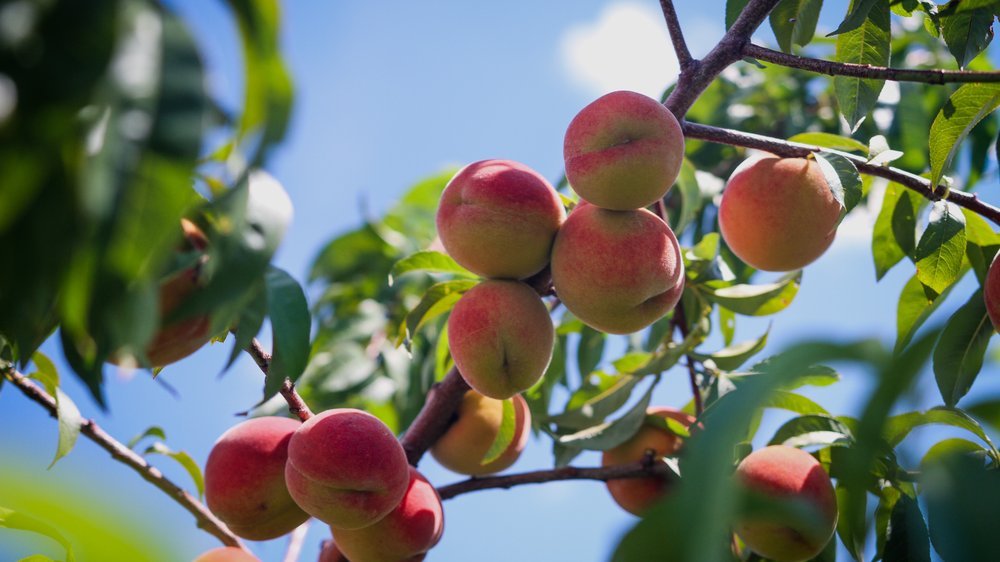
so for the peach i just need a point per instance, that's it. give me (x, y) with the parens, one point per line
(226, 554)
(635, 495)
(346, 468)
(501, 337)
(245, 479)
(465, 444)
(498, 219)
(786, 472)
(623, 151)
(617, 271)
(778, 214)
(991, 293)
(405, 534)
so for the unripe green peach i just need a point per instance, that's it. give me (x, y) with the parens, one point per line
(617, 271)
(346, 468)
(778, 214)
(623, 151)
(405, 534)
(245, 479)
(635, 495)
(498, 219)
(991, 293)
(501, 337)
(785, 472)
(469, 438)
(226, 554)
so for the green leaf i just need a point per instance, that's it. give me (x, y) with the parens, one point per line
(969, 105)
(505, 434)
(860, 10)
(961, 496)
(36, 558)
(690, 194)
(793, 402)
(914, 307)
(851, 522)
(809, 430)
(10, 519)
(795, 21)
(429, 261)
(592, 404)
(249, 322)
(894, 233)
(70, 420)
(949, 447)
(290, 325)
(842, 177)
(438, 299)
(590, 349)
(734, 356)
(958, 356)
(756, 300)
(152, 431)
(267, 101)
(969, 5)
(733, 10)
(609, 435)
(898, 427)
(830, 140)
(941, 248)
(988, 411)
(184, 460)
(967, 33)
(866, 43)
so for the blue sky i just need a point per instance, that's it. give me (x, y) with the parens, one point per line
(388, 92)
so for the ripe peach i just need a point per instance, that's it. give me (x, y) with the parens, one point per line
(991, 293)
(245, 479)
(778, 214)
(617, 271)
(226, 554)
(467, 441)
(501, 337)
(623, 151)
(498, 219)
(635, 495)
(406, 534)
(786, 472)
(346, 468)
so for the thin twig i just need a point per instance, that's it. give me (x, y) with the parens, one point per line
(684, 58)
(296, 405)
(435, 417)
(780, 147)
(927, 76)
(295, 542)
(639, 469)
(130, 458)
(692, 83)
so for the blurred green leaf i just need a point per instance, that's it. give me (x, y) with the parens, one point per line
(814, 429)
(732, 357)
(438, 299)
(851, 526)
(686, 187)
(592, 403)
(11, 519)
(969, 105)
(899, 426)
(609, 435)
(590, 349)
(70, 420)
(894, 234)
(961, 496)
(958, 355)
(152, 431)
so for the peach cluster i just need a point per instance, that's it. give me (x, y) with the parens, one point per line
(266, 476)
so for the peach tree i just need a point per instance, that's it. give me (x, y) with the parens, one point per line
(489, 303)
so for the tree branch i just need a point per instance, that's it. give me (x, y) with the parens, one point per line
(931, 76)
(435, 417)
(130, 458)
(693, 82)
(780, 147)
(648, 467)
(684, 57)
(296, 405)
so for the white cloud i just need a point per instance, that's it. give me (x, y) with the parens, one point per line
(628, 47)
